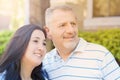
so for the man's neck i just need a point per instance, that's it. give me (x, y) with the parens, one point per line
(64, 53)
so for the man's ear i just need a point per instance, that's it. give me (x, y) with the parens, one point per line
(48, 32)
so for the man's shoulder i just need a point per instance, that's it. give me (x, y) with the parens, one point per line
(49, 58)
(96, 47)
(49, 55)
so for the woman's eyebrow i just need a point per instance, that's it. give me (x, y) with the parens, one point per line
(37, 37)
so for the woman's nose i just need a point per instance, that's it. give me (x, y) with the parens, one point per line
(40, 47)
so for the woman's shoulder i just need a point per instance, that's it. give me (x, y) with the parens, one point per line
(2, 75)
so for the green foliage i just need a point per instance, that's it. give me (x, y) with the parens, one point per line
(108, 38)
(4, 38)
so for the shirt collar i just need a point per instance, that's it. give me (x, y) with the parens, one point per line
(81, 45)
(80, 48)
(56, 55)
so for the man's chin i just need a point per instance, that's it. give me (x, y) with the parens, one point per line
(70, 45)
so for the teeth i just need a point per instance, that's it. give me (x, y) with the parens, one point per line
(38, 55)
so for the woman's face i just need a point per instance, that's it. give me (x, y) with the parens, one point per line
(36, 49)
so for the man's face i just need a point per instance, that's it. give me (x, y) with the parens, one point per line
(63, 29)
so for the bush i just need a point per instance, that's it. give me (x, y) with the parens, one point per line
(108, 38)
(4, 38)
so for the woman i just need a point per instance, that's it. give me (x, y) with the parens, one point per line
(23, 55)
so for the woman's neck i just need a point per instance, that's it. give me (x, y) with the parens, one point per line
(26, 72)
(24, 77)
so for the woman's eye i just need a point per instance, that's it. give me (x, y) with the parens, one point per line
(44, 43)
(35, 41)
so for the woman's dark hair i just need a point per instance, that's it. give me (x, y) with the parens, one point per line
(11, 59)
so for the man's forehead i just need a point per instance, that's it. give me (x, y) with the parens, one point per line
(62, 11)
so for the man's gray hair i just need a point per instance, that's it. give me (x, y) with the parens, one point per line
(49, 11)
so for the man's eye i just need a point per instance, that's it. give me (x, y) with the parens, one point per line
(62, 25)
(73, 23)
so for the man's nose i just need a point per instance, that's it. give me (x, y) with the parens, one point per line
(70, 28)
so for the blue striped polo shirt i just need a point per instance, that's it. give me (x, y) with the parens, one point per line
(87, 62)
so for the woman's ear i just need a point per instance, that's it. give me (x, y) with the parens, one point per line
(48, 32)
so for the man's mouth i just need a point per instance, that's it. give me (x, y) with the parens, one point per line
(71, 37)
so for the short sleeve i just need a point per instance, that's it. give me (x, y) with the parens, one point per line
(2, 75)
(110, 69)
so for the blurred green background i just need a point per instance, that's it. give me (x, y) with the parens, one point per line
(108, 38)
(15, 13)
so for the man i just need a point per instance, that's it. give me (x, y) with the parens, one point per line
(73, 58)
